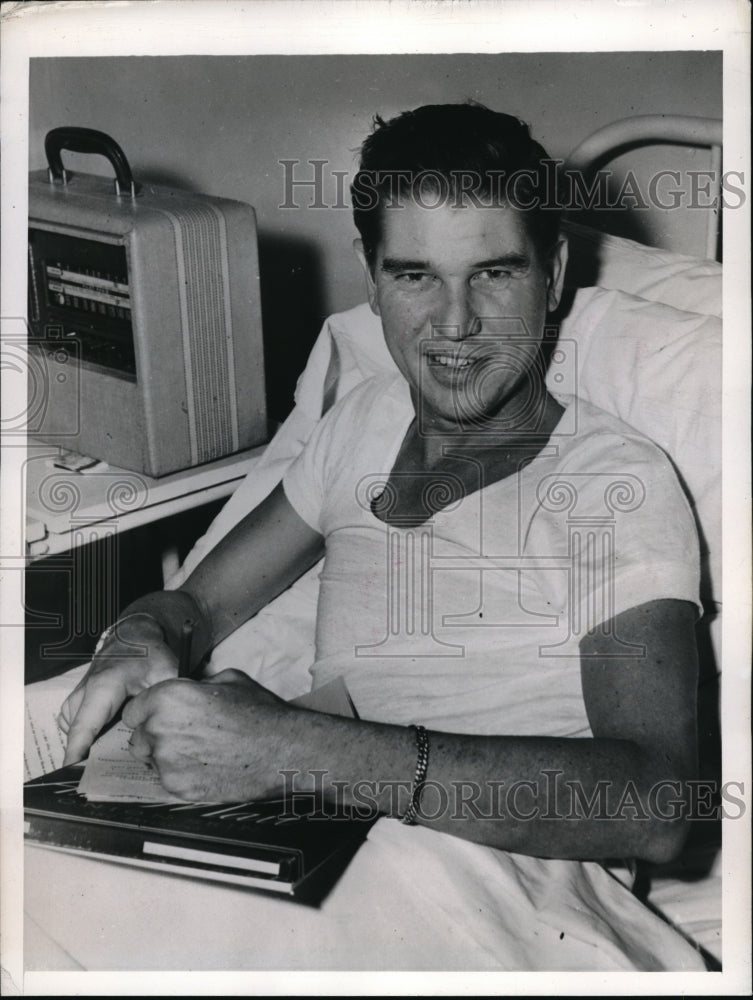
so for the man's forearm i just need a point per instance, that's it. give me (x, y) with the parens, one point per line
(544, 796)
(260, 557)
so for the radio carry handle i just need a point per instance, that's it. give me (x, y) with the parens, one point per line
(87, 140)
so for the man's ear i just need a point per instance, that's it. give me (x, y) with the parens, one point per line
(370, 283)
(557, 267)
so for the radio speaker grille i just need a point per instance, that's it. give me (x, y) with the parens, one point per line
(206, 322)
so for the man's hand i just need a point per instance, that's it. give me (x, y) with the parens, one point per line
(132, 660)
(219, 740)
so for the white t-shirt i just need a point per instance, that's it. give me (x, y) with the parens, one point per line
(472, 621)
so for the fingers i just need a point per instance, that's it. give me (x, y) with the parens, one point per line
(94, 711)
(138, 710)
(68, 711)
(108, 683)
(140, 747)
(96, 701)
(70, 707)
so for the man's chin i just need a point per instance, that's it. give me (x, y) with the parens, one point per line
(464, 411)
(461, 415)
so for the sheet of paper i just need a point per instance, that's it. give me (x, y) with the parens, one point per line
(44, 743)
(112, 774)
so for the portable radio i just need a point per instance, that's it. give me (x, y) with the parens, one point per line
(144, 316)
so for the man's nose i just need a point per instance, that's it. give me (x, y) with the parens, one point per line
(457, 318)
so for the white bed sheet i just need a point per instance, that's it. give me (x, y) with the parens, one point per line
(411, 898)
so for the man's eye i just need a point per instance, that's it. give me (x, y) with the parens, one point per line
(413, 278)
(491, 275)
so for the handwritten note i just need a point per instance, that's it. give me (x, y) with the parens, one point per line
(44, 743)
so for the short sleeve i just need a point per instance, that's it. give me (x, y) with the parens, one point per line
(309, 481)
(615, 519)
(304, 481)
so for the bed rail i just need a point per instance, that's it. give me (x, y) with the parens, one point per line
(642, 130)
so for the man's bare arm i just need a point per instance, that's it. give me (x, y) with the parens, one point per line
(262, 556)
(611, 795)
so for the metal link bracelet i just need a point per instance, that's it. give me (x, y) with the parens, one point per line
(422, 765)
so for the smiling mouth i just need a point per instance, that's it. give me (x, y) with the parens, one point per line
(447, 359)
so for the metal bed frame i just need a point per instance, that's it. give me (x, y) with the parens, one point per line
(644, 130)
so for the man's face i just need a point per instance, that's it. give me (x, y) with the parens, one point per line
(463, 296)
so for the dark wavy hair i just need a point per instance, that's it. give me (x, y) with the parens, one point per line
(464, 152)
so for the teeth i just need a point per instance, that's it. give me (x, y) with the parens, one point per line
(448, 360)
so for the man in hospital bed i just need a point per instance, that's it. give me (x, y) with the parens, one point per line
(509, 591)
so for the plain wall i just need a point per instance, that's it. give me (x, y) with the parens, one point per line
(221, 125)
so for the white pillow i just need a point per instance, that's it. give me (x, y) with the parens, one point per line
(613, 262)
(659, 369)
